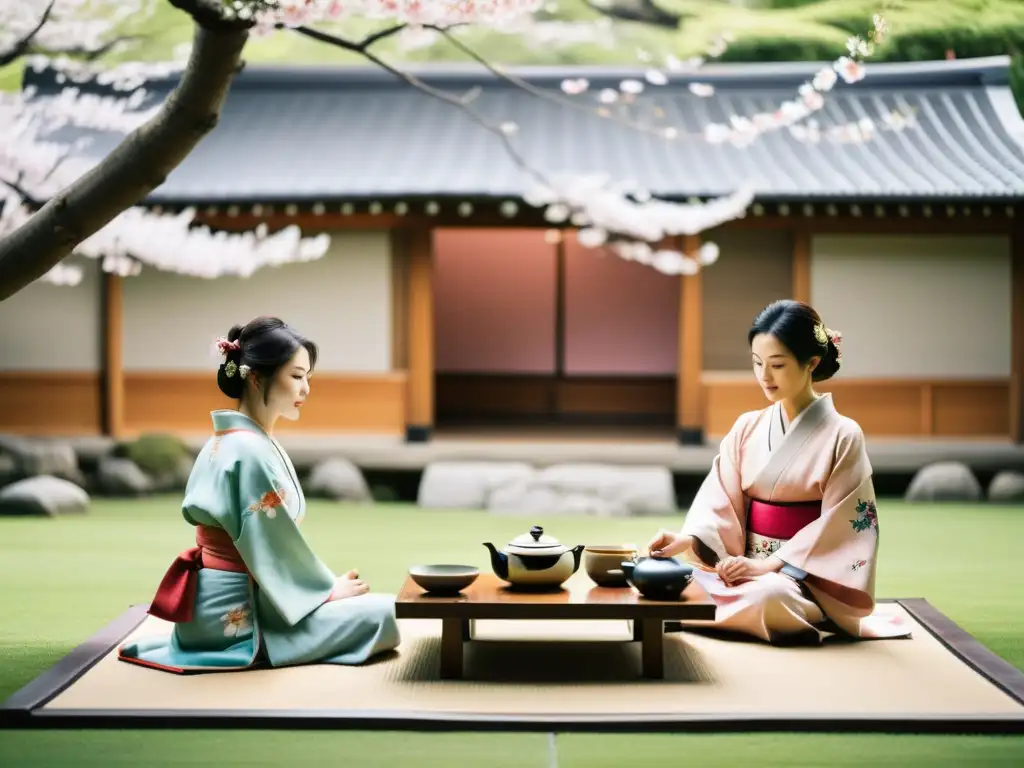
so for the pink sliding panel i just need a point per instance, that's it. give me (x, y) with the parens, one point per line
(621, 318)
(494, 301)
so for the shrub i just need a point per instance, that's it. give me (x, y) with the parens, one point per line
(154, 454)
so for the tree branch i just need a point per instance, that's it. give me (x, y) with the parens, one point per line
(21, 47)
(210, 14)
(643, 11)
(415, 82)
(340, 42)
(544, 94)
(137, 166)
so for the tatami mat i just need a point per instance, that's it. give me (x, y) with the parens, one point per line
(557, 668)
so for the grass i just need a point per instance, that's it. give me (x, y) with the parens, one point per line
(60, 580)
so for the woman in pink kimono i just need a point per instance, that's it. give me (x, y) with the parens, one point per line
(786, 517)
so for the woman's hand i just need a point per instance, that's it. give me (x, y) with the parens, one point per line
(668, 543)
(736, 570)
(349, 585)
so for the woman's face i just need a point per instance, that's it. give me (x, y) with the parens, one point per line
(290, 387)
(776, 369)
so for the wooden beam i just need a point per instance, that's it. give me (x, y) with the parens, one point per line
(113, 355)
(977, 219)
(1017, 334)
(399, 300)
(802, 266)
(420, 336)
(690, 361)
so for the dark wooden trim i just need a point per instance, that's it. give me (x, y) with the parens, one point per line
(834, 217)
(964, 646)
(1017, 334)
(365, 720)
(23, 702)
(25, 708)
(690, 361)
(560, 287)
(112, 394)
(466, 398)
(420, 329)
(399, 299)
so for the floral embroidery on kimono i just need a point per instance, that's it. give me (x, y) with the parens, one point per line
(236, 620)
(762, 547)
(858, 565)
(268, 502)
(867, 516)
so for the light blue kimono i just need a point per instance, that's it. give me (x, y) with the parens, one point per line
(244, 483)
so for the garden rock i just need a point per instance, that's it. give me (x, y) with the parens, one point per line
(173, 480)
(121, 477)
(9, 471)
(31, 458)
(338, 479)
(43, 495)
(597, 490)
(944, 481)
(469, 484)
(1006, 486)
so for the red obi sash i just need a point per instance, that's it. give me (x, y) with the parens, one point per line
(781, 521)
(176, 595)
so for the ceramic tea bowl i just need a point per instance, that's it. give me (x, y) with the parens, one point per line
(444, 579)
(603, 563)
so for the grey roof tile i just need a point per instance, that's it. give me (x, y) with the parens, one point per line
(304, 134)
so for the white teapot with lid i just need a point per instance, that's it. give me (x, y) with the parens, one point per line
(535, 559)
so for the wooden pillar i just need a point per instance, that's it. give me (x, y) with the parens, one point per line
(802, 266)
(690, 360)
(399, 300)
(419, 417)
(1017, 330)
(112, 398)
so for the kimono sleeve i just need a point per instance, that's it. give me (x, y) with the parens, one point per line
(287, 571)
(715, 518)
(836, 554)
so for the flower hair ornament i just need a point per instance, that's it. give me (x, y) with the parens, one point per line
(231, 368)
(224, 346)
(824, 335)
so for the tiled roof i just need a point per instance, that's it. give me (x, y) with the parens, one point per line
(306, 134)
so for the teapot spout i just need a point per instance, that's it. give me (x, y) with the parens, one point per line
(627, 569)
(499, 561)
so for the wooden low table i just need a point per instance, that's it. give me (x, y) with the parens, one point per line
(490, 598)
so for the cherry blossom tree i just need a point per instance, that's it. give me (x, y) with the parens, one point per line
(55, 204)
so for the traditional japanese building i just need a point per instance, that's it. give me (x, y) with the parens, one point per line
(447, 301)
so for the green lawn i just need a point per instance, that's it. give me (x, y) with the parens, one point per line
(60, 580)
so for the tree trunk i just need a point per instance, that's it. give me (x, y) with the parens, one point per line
(137, 166)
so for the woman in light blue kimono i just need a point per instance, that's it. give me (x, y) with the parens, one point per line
(252, 591)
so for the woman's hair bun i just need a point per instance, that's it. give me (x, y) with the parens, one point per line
(233, 385)
(829, 365)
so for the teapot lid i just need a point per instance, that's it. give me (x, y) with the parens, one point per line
(535, 542)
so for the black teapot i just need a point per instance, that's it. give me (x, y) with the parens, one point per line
(658, 578)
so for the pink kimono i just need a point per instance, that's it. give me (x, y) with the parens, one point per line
(802, 492)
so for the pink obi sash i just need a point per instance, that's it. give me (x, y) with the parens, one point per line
(175, 597)
(781, 521)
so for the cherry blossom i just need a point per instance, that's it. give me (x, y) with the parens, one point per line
(294, 13)
(67, 37)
